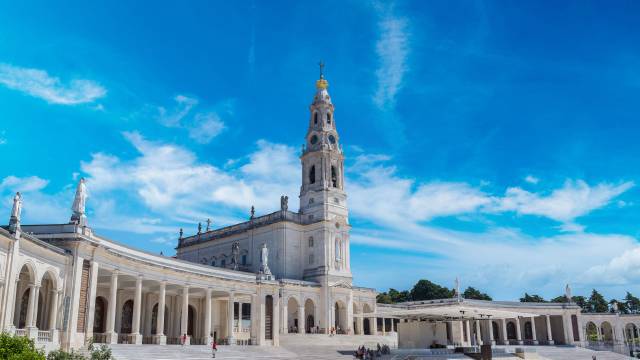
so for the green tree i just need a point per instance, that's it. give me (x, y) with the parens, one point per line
(18, 348)
(632, 303)
(475, 294)
(383, 298)
(399, 296)
(532, 298)
(426, 290)
(622, 306)
(597, 303)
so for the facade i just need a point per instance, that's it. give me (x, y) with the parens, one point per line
(250, 283)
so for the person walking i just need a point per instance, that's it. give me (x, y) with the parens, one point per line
(184, 339)
(214, 348)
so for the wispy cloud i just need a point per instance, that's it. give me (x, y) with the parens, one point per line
(392, 49)
(40, 84)
(202, 126)
(26, 184)
(531, 179)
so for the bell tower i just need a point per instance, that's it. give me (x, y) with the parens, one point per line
(323, 201)
(322, 195)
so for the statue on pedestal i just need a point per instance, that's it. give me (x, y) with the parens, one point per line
(79, 201)
(235, 254)
(16, 210)
(284, 203)
(264, 273)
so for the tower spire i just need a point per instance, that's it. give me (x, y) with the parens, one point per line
(16, 210)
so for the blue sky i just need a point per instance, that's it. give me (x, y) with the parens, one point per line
(492, 141)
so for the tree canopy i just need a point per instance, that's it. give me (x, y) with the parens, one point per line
(427, 290)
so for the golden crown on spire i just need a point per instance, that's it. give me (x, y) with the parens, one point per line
(321, 83)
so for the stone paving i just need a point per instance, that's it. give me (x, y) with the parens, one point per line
(156, 352)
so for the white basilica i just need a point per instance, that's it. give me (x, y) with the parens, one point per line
(253, 283)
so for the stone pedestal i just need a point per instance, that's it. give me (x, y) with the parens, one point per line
(32, 333)
(55, 336)
(550, 342)
(135, 339)
(535, 342)
(111, 338)
(160, 339)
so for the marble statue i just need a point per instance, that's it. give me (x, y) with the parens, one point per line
(457, 294)
(264, 260)
(253, 212)
(16, 210)
(567, 293)
(235, 254)
(284, 203)
(79, 201)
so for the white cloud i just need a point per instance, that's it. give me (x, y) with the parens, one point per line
(531, 179)
(392, 48)
(574, 199)
(40, 84)
(620, 270)
(201, 126)
(169, 179)
(24, 185)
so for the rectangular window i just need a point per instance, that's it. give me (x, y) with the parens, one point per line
(244, 259)
(311, 241)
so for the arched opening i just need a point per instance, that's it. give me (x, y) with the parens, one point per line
(154, 320)
(26, 278)
(496, 332)
(127, 317)
(355, 326)
(334, 176)
(340, 318)
(293, 315)
(592, 331)
(312, 175)
(328, 118)
(366, 323)
(511, 331)
(100, 315)
(268, 317)
(607, 331)
(528, 331)
(191, 317)
(315, 118)
(48, 289)
(310, 312)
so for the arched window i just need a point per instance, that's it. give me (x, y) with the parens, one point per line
(310, 241)
(328, 118)
(312, 175)
(334, 177)
(511, 331)
(213, 262)
(244, 259)
(315, 118)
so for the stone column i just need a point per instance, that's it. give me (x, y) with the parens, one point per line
(93, 289)
(136, 337)
(360, 324)
(230, 337)
(256, 323)
(161, 337)
(569, 328)
(518, 332)
(240, 316)
(112, 336)
(468, 331)
(374, 325)
(478, 334)
(491, 334)
(534, 336)
(31, 306)
(53, 315)
(184, 321)
(549, 334)
(207, 317)
(461, 327)
(505, 340)
(301, 319)
(276, 319)
(384, 326)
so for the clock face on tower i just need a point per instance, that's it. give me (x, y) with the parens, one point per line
(332, 139)
(313, 140)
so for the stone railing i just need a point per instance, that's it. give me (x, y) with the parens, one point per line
(44, 336)
(21, 332)
(99, 338)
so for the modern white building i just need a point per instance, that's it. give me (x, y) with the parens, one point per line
(249, 283)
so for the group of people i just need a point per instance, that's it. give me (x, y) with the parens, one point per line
(367, 354)
(214, 345)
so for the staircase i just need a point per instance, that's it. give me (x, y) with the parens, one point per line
(343, 341)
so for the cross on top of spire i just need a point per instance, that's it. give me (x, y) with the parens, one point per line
(321, 84)
(321, 65)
